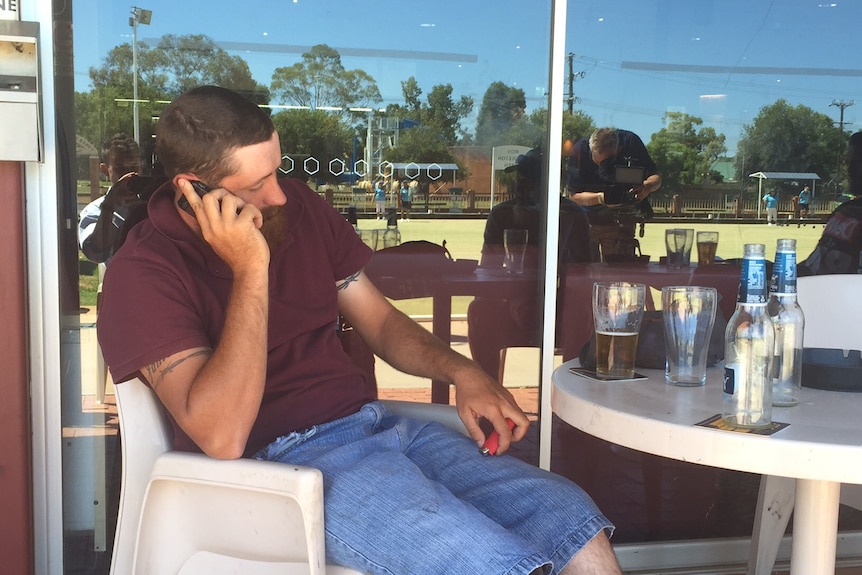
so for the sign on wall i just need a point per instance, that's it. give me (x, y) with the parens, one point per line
(9, 10)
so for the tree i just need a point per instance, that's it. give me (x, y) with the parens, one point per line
(436, 124)
(320, 80)
(502, 106)
(684, 154)
(177, 64)
(314, 133)
(784, 138)
(196, 60)
(444, 114)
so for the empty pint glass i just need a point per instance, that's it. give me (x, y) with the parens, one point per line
(688, 313)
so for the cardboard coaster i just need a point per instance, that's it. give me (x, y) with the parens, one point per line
(715, 422)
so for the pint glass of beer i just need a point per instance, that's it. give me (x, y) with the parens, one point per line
(707, 244)
(617, 310)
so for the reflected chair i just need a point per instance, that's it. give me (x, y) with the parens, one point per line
(189, 514)
(820, 298)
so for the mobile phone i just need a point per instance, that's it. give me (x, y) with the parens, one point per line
(201, 189)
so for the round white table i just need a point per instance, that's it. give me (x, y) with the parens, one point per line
(820, 449)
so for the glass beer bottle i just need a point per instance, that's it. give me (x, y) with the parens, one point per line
(749, 345)
(788, 322)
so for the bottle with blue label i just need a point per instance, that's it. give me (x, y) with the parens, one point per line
(749, 346)
(788, 322)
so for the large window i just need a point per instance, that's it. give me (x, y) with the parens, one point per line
(440, 97)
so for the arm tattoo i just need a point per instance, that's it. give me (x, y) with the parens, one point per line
(348, 280)
(156, 372)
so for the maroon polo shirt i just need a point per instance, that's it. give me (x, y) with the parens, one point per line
(166, 291)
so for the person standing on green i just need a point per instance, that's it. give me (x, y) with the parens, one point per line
(804, 201)
(771, 201)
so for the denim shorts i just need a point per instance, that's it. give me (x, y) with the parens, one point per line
(404, 496)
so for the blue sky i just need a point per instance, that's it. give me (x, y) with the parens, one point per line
(633, 57)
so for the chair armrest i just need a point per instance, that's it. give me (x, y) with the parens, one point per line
(252, 507)
(304, 483)
(446, 415)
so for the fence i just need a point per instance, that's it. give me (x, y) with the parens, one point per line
(455, 200)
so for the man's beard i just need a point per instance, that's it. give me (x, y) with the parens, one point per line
(273, 228)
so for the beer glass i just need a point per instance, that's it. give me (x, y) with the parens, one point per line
(515, 248)
(707, 244)
(617, 311)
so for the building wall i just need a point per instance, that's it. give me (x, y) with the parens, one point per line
(16, 524)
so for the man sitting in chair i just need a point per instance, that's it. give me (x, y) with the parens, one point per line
(226, 307)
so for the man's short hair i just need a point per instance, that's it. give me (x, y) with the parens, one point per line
(200, 129)
(604, 140)
(121, 154)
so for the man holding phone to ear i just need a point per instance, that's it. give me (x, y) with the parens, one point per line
(229, 315)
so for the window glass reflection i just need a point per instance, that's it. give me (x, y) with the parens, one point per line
(372, 99)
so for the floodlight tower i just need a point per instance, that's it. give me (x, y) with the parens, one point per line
(139, 16)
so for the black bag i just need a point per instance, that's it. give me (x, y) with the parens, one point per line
(651, 352)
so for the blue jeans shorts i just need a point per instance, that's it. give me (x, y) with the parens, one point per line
(404, 496)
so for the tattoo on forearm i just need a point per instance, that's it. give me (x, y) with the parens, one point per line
(156, 372)
(348, 280)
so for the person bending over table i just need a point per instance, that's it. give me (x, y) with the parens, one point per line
(592, 168)
(494, 324)
(228, 312)
(614, 207)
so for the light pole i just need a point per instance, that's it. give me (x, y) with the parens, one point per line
(139, 16)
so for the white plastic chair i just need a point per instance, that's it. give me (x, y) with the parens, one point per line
(833, 320)
(186, 513)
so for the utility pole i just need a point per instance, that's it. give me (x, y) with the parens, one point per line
(570, 97)
(841, 105)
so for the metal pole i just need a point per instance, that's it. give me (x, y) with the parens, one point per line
(369, 153)
(135, 74)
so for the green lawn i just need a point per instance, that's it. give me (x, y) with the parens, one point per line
(464, 241)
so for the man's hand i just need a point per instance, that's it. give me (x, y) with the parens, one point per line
(478, 396)
(231, 226)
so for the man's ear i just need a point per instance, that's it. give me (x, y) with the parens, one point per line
(103, 167)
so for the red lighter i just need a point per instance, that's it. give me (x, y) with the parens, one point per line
(492, 443)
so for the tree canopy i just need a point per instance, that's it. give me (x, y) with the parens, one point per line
(321, 81)
(785, 138)
(175, 65)
(683, 152)
(502, 108)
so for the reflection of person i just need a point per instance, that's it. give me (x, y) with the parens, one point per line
(804, 201)
(770, 200)
(406, 194)
(379, 198)
(102, 219)
(591, 166)
(839, 250)
(493, 323)
(614, 209)
(230, 318)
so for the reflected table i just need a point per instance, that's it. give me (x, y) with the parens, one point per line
(484, 282)
(820, 448)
